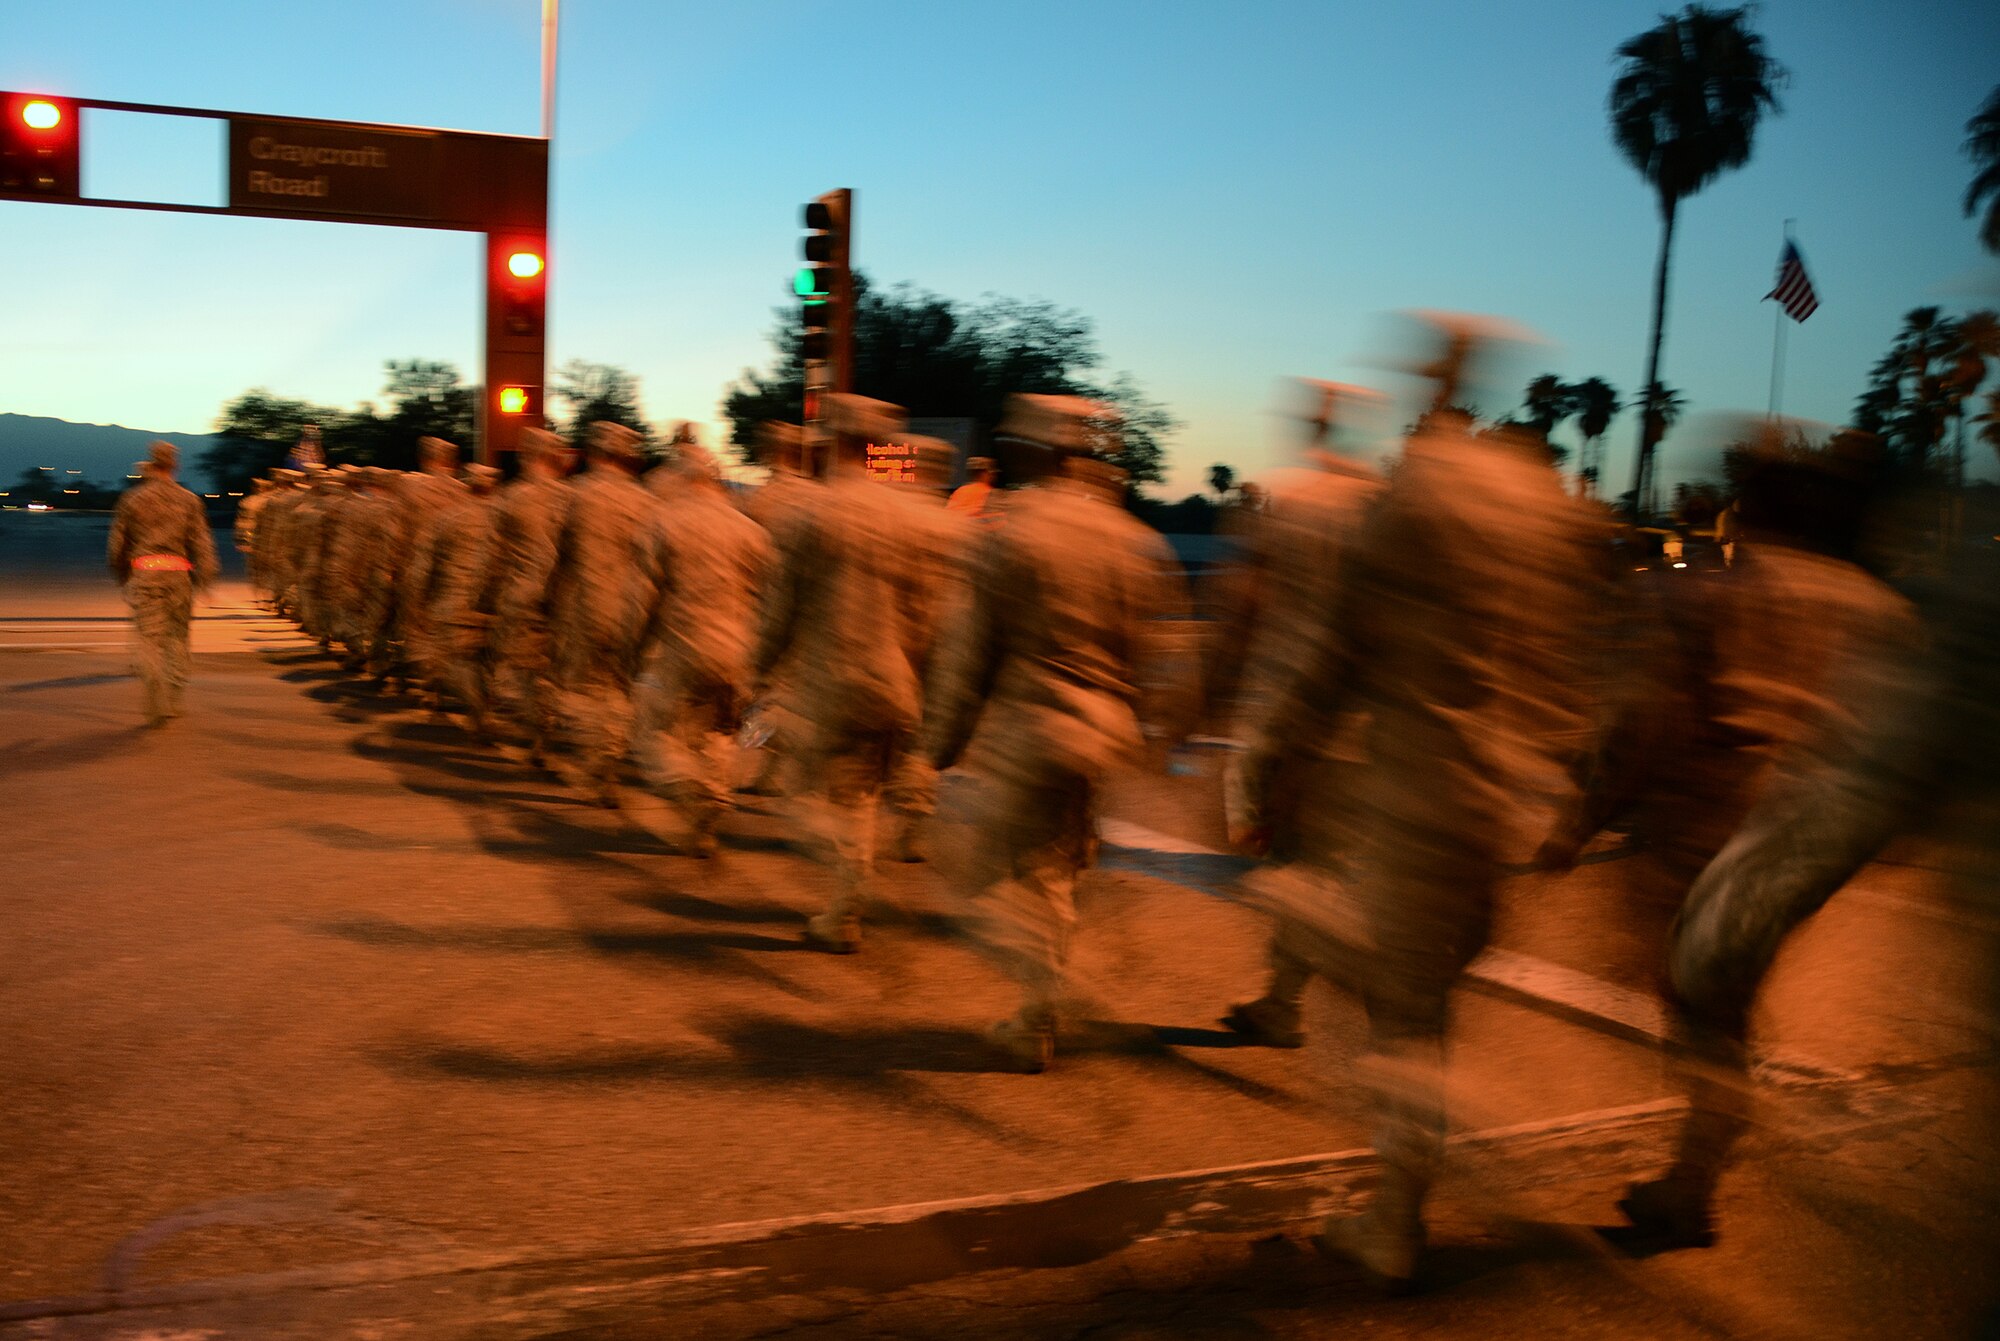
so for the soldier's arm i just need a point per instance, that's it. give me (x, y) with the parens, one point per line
(206, 569)
(118, 551)
(779, 618)
(966, 659)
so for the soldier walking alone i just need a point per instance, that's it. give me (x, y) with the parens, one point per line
(162, 554)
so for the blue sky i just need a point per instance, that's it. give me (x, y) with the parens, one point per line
(1233, 192)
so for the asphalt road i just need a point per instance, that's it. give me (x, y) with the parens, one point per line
(306, 979)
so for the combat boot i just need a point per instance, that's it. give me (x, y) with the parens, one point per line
(1386, 1241)
(836, 931)
(1267, 1022)
(1029, 1045)
(1666, 1213)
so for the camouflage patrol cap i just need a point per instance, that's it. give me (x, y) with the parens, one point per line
(860, 417)
(481, 477)
(437, 452)
(163, 455)
(695, 461)
(538, 443)
(686, 431)
(1070, 425)
(611, 439)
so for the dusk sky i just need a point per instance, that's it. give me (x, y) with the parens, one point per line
(1233, 193)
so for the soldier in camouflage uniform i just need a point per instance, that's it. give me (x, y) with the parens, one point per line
(941, 542)
(1455, 628)
(1274, 609)
(602, 594)
(244, 532)
(1765, 662)
(1045, 665)
(273, 521)
(842, 611)
(461, 555)
(528, 519)
(703, 641)
(791, 494)
(162, 554)
(433, 488)
(303, 540)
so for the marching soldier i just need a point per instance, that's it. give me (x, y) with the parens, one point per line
(842, 612)
(425, 494)
(703, 642)
(162, 554)
(1454, 629)
(461, 554)
(1275, 609)
(602, 593)
(528, 519)
(1044, 667)
(244, 531)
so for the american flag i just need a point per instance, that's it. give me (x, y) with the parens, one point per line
(1794, 291)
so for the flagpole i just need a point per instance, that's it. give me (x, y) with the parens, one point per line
(1778, 340)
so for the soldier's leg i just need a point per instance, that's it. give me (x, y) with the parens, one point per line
(179, 662)
(850, 774)
(912, 798)
(1427, 890)
(148, 651)
(1035, 838)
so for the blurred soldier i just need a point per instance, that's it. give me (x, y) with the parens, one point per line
(941, 543)
(1275, 607)
(461, 555)
(434, 488)
(303, 539)
(1044, 664)
(162, 554)
(976, 497)
(703, 641)
(244, 532)
(273, 547)
(602, 594)
(1454, 629)
(841, 613)
(665, 477)
(350, 562)
(791, 494)
(374, 572)
(337, 536)
(1919, 731)
(1760, 663)
(528, 519)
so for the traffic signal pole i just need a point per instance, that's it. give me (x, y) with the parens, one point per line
(825, 287)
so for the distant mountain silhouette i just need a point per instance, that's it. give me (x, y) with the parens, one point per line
(104, 453)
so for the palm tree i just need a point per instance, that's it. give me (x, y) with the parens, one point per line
(1596, 404)
(1684, 109)
(1546, 403)
(1982, 146)
(1221, 479)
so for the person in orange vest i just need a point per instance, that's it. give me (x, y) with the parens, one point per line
(974, 498)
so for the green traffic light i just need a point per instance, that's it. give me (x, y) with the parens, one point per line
(806, 283)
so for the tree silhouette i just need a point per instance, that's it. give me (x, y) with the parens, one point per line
(1982, 146)
(1684, 109)
(937, 357)
(1596, 405)
(598, 392)
(1221, 479)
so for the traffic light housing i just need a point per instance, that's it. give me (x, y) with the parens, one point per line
(824, 285)
(521, 286)
(40, 148)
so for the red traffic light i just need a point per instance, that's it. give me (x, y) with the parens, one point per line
(524, 264)
(39, 154)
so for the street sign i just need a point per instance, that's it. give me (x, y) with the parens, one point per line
(330, 171)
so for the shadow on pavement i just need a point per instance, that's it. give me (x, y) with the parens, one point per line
(70, 682)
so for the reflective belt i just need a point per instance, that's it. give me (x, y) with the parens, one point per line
(161, 563)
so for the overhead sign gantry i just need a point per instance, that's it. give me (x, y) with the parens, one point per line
(350, 172)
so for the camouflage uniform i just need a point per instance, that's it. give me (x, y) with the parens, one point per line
(1454, 629)
(244, 533)
(528, 519)
(786, 500)
(162, 554)
(426, 493)
(461, 557)
(271, 548)
(1045, 664)
(703, 641)
(602, 594)
(842, 613)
